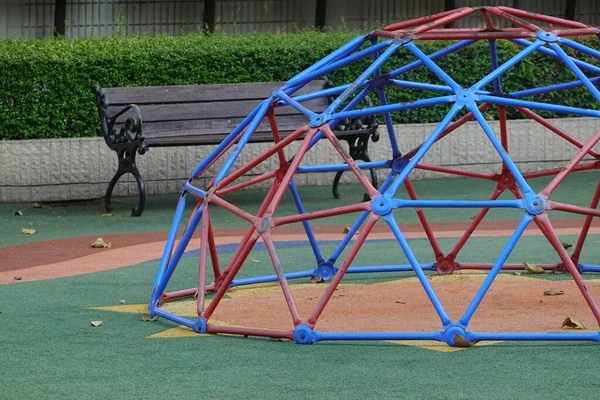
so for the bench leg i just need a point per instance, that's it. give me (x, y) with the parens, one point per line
(359, 152)
(127, 166)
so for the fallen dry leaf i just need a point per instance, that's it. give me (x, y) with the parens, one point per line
(121, 301)
(256, 261)
(316, 279)
(18, 278)
(532, 268)
(100, 243)
(19, 212)
(28, 231)
(146, 318)
(36, 205)
(346, 229)
(96, 323)
(553, 292)
(566, 245)
(572, 323)
(107, 215)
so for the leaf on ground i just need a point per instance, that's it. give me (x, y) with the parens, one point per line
(566, 245)
(146, 318)
(19, 212)
(553, 292)
(572, 323)
(256, 261)
(28, 231)
(96, 323)
(18, 278)
(316, 279)
(121, 301)
(36, 205)
(107, 215)
(100, 243)
(532, 268)
(346, 229)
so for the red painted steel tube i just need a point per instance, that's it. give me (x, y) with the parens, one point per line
(547, 191)
(214, 255)
(453, 171)
(365, 206)
(268, 153)
(457, 14)
(285, 287)
(261, 178)
(586, 226)
(505, 267)
(233, 209)
(417, 21)
(554, 205)
(578, 168)
(179, 294)
(351, 163)
(276, 138)
(543, 18)
(489, 24)
(537, 118)
(568, 264)
(517, 21)
(576, 32)
(476, 36)
(204, 235)
(225, 150)
(503, 134)
(437, 252)
(234, 330)
(335, 281)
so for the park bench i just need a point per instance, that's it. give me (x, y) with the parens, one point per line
(203, 115)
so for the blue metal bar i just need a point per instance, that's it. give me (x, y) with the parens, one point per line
(589, 268)
(539, 106)
(337, 64)
(343, 51)
(494, 62)
(551, 88)
(294, 104)
(185, 239)
(341, 167)
(433, 56)
(507, 65)
(389, 124)
(433, 66)
(548, 52)
(389, 268)
(444, 318)
(363, 77)
(580, 75)
(194, 190)
(423, 86)
(321, 336)
(323, 93)
(270, 278)
(591, 336)
(423, 149)
(459, 204)
(307, 228)
(168, 247)
(464, 321)
(434, 101)
(262, 110)
(579, 47)
(175, 318)
(498, 146)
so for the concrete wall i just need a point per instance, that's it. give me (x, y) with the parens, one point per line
(72, 169)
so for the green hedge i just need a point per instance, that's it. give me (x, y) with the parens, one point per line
(45, 84)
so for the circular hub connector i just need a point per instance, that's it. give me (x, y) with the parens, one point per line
(303, 335)
(535, 205)
(381, 205)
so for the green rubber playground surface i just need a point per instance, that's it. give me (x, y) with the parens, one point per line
(48, 349)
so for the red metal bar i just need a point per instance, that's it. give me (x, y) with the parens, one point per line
(577, 32)
(251, 164)
(285, 287)
(476, 36)
(568, 264)
(464, 119)
(261, 178)
(489, 24)
(537, 118)
(566, 170)
(585, 167)
(517, 21)
(365, 206)
(179, 294)
(457, 14)
(234, 330)
(276, 137)
(426, 227)
(351, 163)
(503, 134)
(453, 171)
(203, 259)
(214, 256)
(543, 18)
(233, 209)
(417, 21)
(335, 281)
(506, 267)
(586, 227)
(225, 150)
(554, 205)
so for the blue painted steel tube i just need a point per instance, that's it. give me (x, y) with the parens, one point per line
(433, 56)
(342, 167)
(262, 110)
(423, 86)
(322, 93)
(539, 106)
(507, 65)
(434, 101)
(494, 62)
(175, 318)
(321, 336)
(363, 77)
(424, 149)
(551, 88)
(389, 124)
(270, 278)
(591, 336)
(398, 203)
(498, 146)
(433, 66)
(464, 320)
(391, 221)
(294, 104)
(589, 268)
(194, 190)
(185, 239)
(168, 247)
(580, 47)
(306, 224)
(580, 75)
(548, 52)
(343, 51)
(389, 268)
